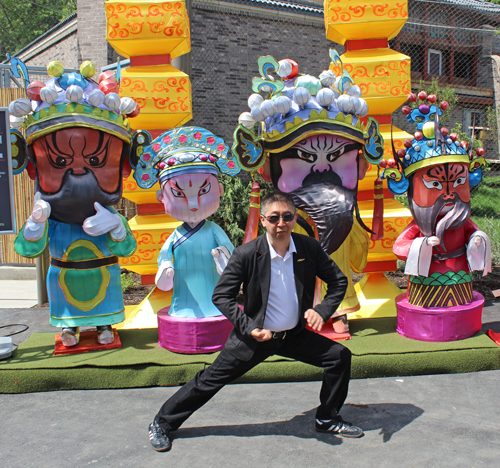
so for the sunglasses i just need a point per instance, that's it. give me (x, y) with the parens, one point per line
(275, 218)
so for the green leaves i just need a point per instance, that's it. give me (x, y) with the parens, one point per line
(22, 21)
(232, 214)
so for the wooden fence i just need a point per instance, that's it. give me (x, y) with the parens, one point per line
(23, 193)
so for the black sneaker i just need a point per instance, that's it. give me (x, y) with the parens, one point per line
(158, 438)
(339, 426)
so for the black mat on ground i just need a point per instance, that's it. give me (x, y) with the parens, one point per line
(378, 351)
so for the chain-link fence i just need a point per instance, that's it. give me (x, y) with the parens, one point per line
(453, 46)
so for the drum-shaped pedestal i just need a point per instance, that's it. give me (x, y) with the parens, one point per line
(439, 323)
(192, 335)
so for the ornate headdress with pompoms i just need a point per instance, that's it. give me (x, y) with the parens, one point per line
(431, 145)
(70, 100)
(290, 107)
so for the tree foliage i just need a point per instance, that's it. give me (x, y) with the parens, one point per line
(232, 214)
(22, 21)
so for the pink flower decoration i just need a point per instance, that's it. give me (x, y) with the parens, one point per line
(210, 140)
(231, 164)
(146, 157)
(182, 139)
(221, 147)
(167, 140)
(156, 147)
(212, 159)
(171, 161)
(145, 177)
(198, 136)
(203, 157)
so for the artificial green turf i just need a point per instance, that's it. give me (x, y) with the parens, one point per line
(378, 351)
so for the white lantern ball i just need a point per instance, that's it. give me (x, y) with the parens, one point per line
(16, 122)
(301, 96)
(357, 104)
(74, 93)
(112, 101)
(96, 97)
(267, 108)
(255, 100)
(20, 107)
(282, 105)
(246, 120)
(325, 97)
(327, 78)
(127, 105)
(344, 103)
(48, 95)
(355, 91)
(285, 68)
(256, 114)
(364, 109)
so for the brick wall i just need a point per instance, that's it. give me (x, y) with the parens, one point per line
(225, 49)
(65, 51)
(92, 32)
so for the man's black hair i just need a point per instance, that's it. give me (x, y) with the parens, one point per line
(276, 197)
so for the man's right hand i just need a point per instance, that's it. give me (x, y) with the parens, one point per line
(260, 334)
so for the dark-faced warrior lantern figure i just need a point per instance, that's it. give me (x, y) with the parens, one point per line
(441, 246)
(76, 149)
(305, 135)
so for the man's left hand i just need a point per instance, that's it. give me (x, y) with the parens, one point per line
(314, 320)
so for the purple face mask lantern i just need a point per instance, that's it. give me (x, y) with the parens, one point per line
(321, 173)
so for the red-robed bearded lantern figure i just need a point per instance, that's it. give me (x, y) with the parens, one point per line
(441, 246)
(78, 142)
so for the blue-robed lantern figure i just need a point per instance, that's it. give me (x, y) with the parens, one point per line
(186, 162)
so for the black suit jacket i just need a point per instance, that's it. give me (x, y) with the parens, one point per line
(250, 264)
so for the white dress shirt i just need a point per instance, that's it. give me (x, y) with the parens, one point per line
(282, 311)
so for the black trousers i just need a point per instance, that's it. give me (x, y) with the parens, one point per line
(304, 346)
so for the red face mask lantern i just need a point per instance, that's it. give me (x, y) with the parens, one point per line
(448, 181)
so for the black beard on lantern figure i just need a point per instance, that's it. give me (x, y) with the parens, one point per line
(329, 204)
(426, 216)
(74, 202)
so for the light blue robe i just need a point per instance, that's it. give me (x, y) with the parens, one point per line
(195, 271)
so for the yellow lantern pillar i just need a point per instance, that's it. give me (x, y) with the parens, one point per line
(150, 33)
(384, 76)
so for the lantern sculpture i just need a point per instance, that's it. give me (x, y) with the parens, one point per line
(78, 141)
(305, 135)
(186, 162)
(442, 246)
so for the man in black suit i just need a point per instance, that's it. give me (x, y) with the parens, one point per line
(278, 271)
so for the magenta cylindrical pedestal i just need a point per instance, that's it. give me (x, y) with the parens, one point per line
(439, 323)
(192, 335)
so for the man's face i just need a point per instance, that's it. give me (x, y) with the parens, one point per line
(191, 197)
(281, 229)
(78, 150)
(321, 174)
(75, 168)
(439, 198)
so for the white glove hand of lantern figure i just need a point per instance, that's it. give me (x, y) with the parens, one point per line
(105, 221)
(35, 224)
(165, 276)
